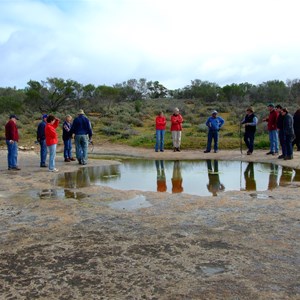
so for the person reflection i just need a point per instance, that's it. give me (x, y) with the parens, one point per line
(214, 185)
(83, 178)
(69, 180)
(250, 183)
(297, 175)
(273, 177)
(286, 176)
(161, 176)
(177, 178)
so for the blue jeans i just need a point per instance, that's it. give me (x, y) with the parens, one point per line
(12, 155)
(81, 143)
(160, 139)
(273, 137)
(43, 152)
(68, 148)
(52, 154)
(212, 134)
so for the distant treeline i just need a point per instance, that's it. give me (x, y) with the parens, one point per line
(55, 94)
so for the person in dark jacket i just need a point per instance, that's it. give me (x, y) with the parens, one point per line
(280, 131)
(250, 122)
(67, 138)
(297, 129)
(40, 136)
(272, 128)
(288, 133)
(12, 138)
(82, 129)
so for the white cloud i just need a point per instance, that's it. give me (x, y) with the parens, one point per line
(174, 42)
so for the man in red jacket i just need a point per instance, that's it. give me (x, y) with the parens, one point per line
(272, 128)
(12, 138)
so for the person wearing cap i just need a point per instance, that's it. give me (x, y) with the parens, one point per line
(67, 138)
(250, 122)
(40, 136)
(51, 140)
(288, 133)
(176, 128)
(272, 128)
(214, 124)
(12, 139)
(82, 130)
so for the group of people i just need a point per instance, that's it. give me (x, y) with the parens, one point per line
(47, 138)
(214, 124)
(283, 128)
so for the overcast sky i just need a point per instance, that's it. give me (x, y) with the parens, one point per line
(172, 41)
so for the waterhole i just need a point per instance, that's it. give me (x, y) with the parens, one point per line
(206, 177)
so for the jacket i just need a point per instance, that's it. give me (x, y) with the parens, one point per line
(66, 131)
(252, 121)
(176, 122)
(11, 131)
(272, 120)
(81, 126)
(214, 124)
(51, 134)
(160, 123)
(40, 134)
(288, 125)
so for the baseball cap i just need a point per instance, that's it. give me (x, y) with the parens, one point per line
(13, 116)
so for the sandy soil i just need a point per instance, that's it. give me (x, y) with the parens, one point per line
(239, 245)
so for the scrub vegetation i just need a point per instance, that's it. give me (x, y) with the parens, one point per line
(125, 113)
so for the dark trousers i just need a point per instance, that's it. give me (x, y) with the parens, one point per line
(297, 140)
(282, 142)
(249, 140)
(288, 139)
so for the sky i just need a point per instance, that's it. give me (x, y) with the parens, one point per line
(104, 42)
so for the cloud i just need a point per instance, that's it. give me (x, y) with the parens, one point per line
(174, 42)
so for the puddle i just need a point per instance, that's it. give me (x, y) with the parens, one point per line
(203, 178)
(56, 194)
(131, 204)
(211, 269)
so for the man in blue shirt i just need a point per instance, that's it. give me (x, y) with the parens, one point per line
(214, 124)
(82, 129)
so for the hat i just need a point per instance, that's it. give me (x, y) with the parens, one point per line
(176, 109)
(13, 116)
(271, 105)
(44, 116)
(81, 112)
(214, 112)
(250, 108)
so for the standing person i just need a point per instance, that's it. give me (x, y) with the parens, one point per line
(12, 138)
(288, 133)
(40, 136)
(176, 128)
(279, 125)
(82, 129)
(67, 138)
(272, 128)
(297, 129)
(214, 124)
(51, 140)
(250, 122)
(160, 124)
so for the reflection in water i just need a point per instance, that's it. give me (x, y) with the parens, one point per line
(286, 176)
(273, 177)
(161, 176)
(214, 185)
(250, 183)
(143, 174)
(177, 178)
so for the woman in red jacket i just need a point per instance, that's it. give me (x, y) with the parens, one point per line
(176, 127)
(51, 140)
(160, 122)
